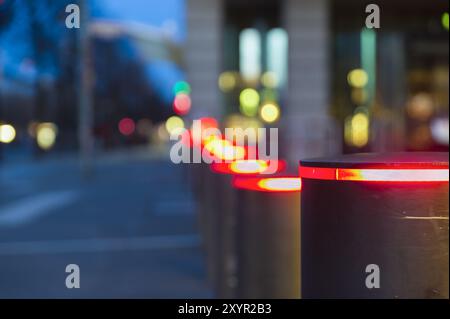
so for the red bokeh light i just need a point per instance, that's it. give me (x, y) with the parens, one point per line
(127, 126)
(182, 104)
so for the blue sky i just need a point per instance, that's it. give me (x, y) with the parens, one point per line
(152, 12)
(158, 13)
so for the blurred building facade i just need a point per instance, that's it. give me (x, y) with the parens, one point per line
(348, 88)
(213, 48)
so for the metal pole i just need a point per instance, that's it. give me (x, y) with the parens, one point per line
(85, 107)
(1, 99)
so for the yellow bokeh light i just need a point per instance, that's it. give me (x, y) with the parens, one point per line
(348, 130)
(421, 107)
(446, 21)
(270, 112)
(360, 122)
(269, 80)
(358, 78)
(46, 135)
(249, 102)
(227, 81)
(174, 125)
(7, 133)
(360, 129)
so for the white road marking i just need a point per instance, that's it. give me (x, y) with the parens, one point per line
(31, 208)
(99, 245)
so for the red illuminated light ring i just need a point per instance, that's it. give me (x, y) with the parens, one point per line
(375, 174)
(373, 167)
(230, 168)
(285, 184)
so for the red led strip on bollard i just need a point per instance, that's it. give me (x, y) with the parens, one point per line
(376, 174)
(270, 185)
(247, 167)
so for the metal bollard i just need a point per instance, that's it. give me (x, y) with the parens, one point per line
(211, 204)
(221, 209)
(268, 237)
(375, 226)
(200, 178)
(206, 218)
(225, 209)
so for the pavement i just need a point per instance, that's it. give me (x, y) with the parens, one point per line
(131, 228)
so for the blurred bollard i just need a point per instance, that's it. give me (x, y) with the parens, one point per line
(200, 179)
(211, 200)
(268, 237)
(207, 221)
(219, 213)
(224, 214)
(202, 184)
(218, 209)
(375, 226)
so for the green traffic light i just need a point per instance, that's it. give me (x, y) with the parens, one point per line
(181, 87)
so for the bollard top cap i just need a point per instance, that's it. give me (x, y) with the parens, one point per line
(405, 160)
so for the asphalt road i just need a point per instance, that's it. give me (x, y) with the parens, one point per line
(131, 228)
